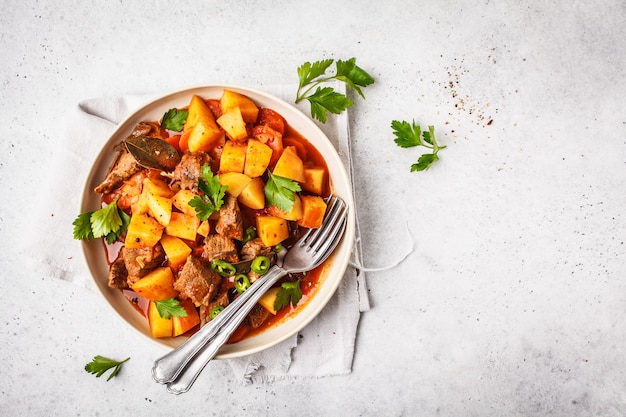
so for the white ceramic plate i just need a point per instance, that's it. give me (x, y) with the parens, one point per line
(335, 266)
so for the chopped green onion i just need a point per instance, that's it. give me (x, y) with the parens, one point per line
(260, 264)
(215, 311)
(242, 283)
(223, 268)
(278, 248)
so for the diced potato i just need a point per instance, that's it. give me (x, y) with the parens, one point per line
(231, 99)
(176, 250)
(204, 229)
(181, 201)
(157, 285)
(139, 203)
(157, 187)
(252, 195)
(294, 214)
(269, 298)
(197, 109)
(290, 165)
(183, 324)
(205, 135)
(143, 231)
(258, 157)
(314, 178)
(233, 157)
(235, 182)
(160, 208)
(272, 230)
(183, 226)
(313, 210)
(159, 327)
(233, 124)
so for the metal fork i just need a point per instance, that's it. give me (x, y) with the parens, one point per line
(180, 368)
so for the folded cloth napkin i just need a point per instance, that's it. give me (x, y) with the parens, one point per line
(324, 347)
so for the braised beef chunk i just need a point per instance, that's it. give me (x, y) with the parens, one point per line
(140, 261)
(124, 167)
(205, 310)
(230, 222)
(189, 169)
(197, 281)
(118, 274)
(145, 129)
(255, 247)
(257, 316)
(220, 247)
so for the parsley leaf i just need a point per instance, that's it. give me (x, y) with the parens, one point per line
(353, 76)
(170, 308)
(280, 191)
(82, 226)
(108, 222)
(213, 194)
(410, 134)
(307, 72)
(407, 135)
(327, 99)
(99, 365)
(323, 100)
(289, 292)
(174, 119)
(105, 220)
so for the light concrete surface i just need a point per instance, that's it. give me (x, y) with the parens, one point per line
(513, 301)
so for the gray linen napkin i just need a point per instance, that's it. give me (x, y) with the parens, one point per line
(324, 347)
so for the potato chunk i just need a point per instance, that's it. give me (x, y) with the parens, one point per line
(159, 327)
(233, 124)
(252, 195)
(272, 230)
(183, 226)
(235, 182)
(231, 99)
(314, 178)
(290, 165)
(183, 324)
(143, 230)
(313, 210)
(233, 157)
(156, 285)
(269, 298)
(258, 157)
(176, 250)
(294, 214)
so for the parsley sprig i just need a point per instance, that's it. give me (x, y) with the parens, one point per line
(410, 134)
(213, 194)
(170, 308)
(326, 99)
(174, 119)
(280, 191)
(109, 222)
(289, 292)
(99, 365)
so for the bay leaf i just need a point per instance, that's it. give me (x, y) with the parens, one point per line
(153, 153)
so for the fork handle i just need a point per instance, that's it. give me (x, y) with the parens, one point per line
(187, 376)
(167, 367)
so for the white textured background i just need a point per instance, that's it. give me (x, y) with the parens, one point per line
(512, 304)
